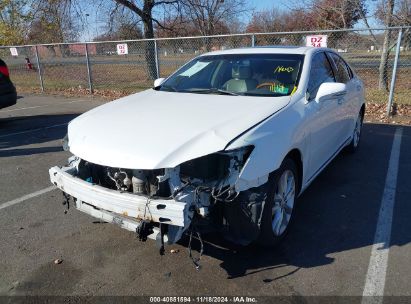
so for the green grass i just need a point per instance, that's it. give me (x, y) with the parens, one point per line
(377, 96)
(124, 79)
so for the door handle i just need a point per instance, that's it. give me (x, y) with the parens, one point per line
(340, 101)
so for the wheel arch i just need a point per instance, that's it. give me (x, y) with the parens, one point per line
(296, 156)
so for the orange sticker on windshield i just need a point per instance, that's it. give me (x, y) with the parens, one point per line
(281, 68)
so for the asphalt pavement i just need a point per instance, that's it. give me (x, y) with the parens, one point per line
(328, 251)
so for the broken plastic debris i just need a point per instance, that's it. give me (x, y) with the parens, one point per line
(58, 261)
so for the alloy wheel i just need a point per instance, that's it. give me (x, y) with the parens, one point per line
(283, 202)
(357, 131)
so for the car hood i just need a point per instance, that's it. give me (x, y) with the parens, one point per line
(156, 129)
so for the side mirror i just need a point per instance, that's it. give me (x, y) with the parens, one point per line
(158, 82)
(329, 90)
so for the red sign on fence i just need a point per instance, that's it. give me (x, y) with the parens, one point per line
(13, 51)
(122, 49)
(316, 40)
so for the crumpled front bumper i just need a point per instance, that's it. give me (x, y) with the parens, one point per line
(122, 208)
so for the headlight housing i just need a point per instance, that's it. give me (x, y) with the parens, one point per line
(65, 143)
(215, 166)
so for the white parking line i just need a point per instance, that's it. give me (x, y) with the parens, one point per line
(33, 130)
(375, 279)
(26, 197)
(19, 109)
(42, 106)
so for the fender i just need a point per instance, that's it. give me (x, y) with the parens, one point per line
(279, 134)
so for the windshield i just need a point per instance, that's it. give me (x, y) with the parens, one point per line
(238, 74)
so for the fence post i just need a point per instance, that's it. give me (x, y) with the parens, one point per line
(394, 73)
(90, 83)
(156, 59)
(39, 69)
(253, 40)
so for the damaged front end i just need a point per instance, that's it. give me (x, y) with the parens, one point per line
(161, 203)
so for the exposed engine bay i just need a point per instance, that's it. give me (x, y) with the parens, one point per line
(205, 186)
(211, 178)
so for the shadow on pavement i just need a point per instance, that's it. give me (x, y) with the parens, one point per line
(29, 151)
(337, 213)
(15, 132)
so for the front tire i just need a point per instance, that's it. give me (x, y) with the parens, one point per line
(279, 206)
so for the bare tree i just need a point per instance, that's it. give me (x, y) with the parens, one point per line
(124, 31)
(265, 21)
(364, 18)
(211, 17)
(122, 24)
(145, 12)
(337, 13)
(402, 17)
(15, 17)
(208, 15)
(383, 69)
(54, 21)
(330, 14)
(277, 21)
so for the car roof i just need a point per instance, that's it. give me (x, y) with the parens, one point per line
(302, 50)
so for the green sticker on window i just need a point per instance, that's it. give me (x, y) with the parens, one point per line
(278, 88)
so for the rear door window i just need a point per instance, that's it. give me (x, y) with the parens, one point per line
(342, 73)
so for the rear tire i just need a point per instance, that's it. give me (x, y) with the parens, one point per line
(279, 206)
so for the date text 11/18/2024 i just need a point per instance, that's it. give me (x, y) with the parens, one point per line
(203, 299)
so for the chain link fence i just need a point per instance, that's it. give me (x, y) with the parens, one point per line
(97, 67)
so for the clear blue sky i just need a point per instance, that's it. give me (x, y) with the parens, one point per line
(267, 4)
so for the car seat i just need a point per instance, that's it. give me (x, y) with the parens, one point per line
(286, 78)
(241, 79)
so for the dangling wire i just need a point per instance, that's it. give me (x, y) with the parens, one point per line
(196, 260)
(230, 199)
(230, 194)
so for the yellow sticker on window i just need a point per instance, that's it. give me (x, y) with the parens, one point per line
(281, 68)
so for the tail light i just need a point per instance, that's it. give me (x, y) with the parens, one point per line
(4, 70)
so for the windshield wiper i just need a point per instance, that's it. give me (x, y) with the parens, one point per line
(228, 92)
(263, 94)
(211, 91)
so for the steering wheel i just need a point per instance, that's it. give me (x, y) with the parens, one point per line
(267, 84)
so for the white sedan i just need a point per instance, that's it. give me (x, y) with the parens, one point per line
(228, 143)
